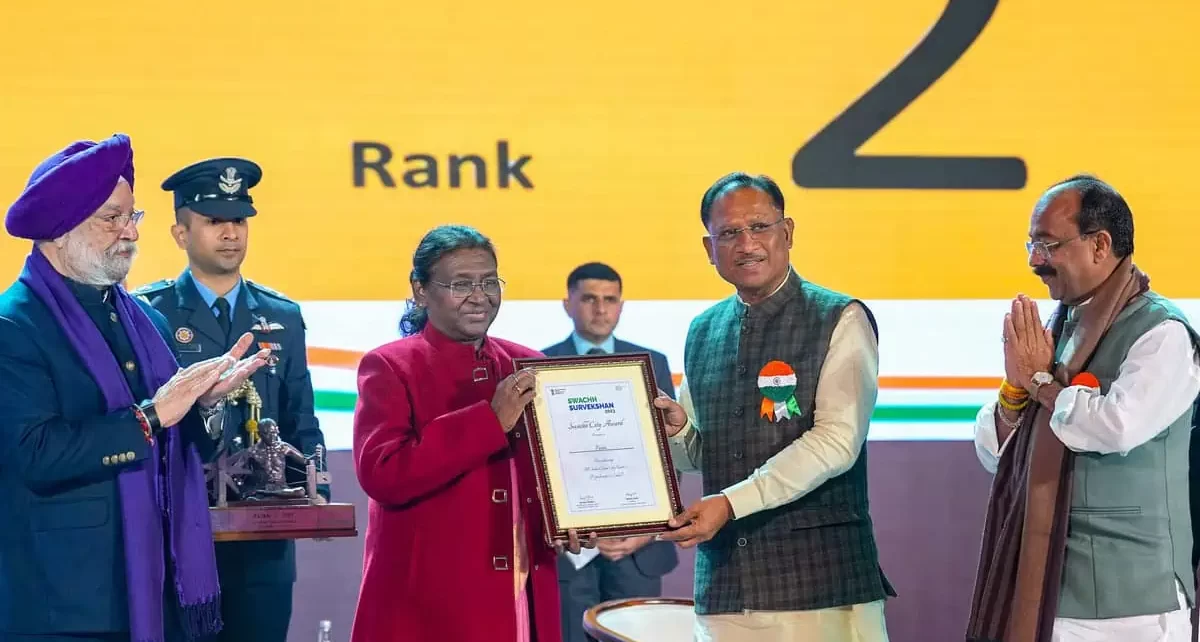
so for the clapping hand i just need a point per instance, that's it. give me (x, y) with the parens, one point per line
(235, 372)
(205, 382)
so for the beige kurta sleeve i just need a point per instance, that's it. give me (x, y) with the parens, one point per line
(845, 400)
(685, 445)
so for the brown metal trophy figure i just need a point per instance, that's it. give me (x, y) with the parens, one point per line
(267, 507)
(271, 454)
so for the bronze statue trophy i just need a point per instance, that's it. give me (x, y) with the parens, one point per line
(267, 506)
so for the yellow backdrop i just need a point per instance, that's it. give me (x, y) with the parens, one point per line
(628, 110)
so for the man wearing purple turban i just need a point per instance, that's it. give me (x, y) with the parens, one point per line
(107, 535)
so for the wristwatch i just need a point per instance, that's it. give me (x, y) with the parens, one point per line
(213, 419)
(1040, 379)
(207, 412)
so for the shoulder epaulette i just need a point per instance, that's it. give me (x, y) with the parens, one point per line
(151, 288)
(268, 291)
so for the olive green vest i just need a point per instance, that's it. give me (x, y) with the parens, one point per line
(1129, 537)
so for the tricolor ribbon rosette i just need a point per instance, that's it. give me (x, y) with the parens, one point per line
(777, 381)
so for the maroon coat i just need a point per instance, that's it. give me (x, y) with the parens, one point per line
(434, 460)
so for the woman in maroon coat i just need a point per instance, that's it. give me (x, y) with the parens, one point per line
(455, 550)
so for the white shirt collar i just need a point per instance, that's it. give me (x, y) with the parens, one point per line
(773, 292)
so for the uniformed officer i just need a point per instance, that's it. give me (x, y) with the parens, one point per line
(209, 306)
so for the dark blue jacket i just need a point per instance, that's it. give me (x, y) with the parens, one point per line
(662, 371)
(285, 388)
(62, 562)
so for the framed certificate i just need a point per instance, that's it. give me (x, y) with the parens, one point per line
(600, 452)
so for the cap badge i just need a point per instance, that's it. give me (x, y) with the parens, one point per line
(230, 183)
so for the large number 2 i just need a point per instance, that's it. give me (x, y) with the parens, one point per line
(829, 159)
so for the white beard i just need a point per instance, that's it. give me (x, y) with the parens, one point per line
(96, 267)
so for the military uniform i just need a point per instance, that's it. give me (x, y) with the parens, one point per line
(256, 577)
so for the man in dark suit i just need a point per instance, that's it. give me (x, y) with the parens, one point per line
(208, 307)
(107, 534)
(616, 568)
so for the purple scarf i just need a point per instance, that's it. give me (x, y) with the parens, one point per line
(146, 494)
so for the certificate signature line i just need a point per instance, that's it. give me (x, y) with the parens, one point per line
(599, 450)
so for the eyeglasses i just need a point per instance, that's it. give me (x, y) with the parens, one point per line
(114, 222)
(464, 289)
(1046, 250)
(757, 231)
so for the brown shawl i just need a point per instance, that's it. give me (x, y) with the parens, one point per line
(1025, 532)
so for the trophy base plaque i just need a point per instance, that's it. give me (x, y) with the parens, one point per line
(251, 520)
(272, 509)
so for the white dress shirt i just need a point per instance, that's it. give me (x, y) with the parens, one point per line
(1158, 381)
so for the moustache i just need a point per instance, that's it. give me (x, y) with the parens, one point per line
(122, 246)
(1045, 270)
(744, 258)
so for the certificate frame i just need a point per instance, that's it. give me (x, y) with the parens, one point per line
(551, 486)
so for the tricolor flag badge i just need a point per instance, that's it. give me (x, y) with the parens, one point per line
(777, 381)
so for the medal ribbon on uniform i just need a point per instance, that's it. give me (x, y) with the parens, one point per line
(777, 381)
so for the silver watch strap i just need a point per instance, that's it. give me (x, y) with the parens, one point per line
(213, 419)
